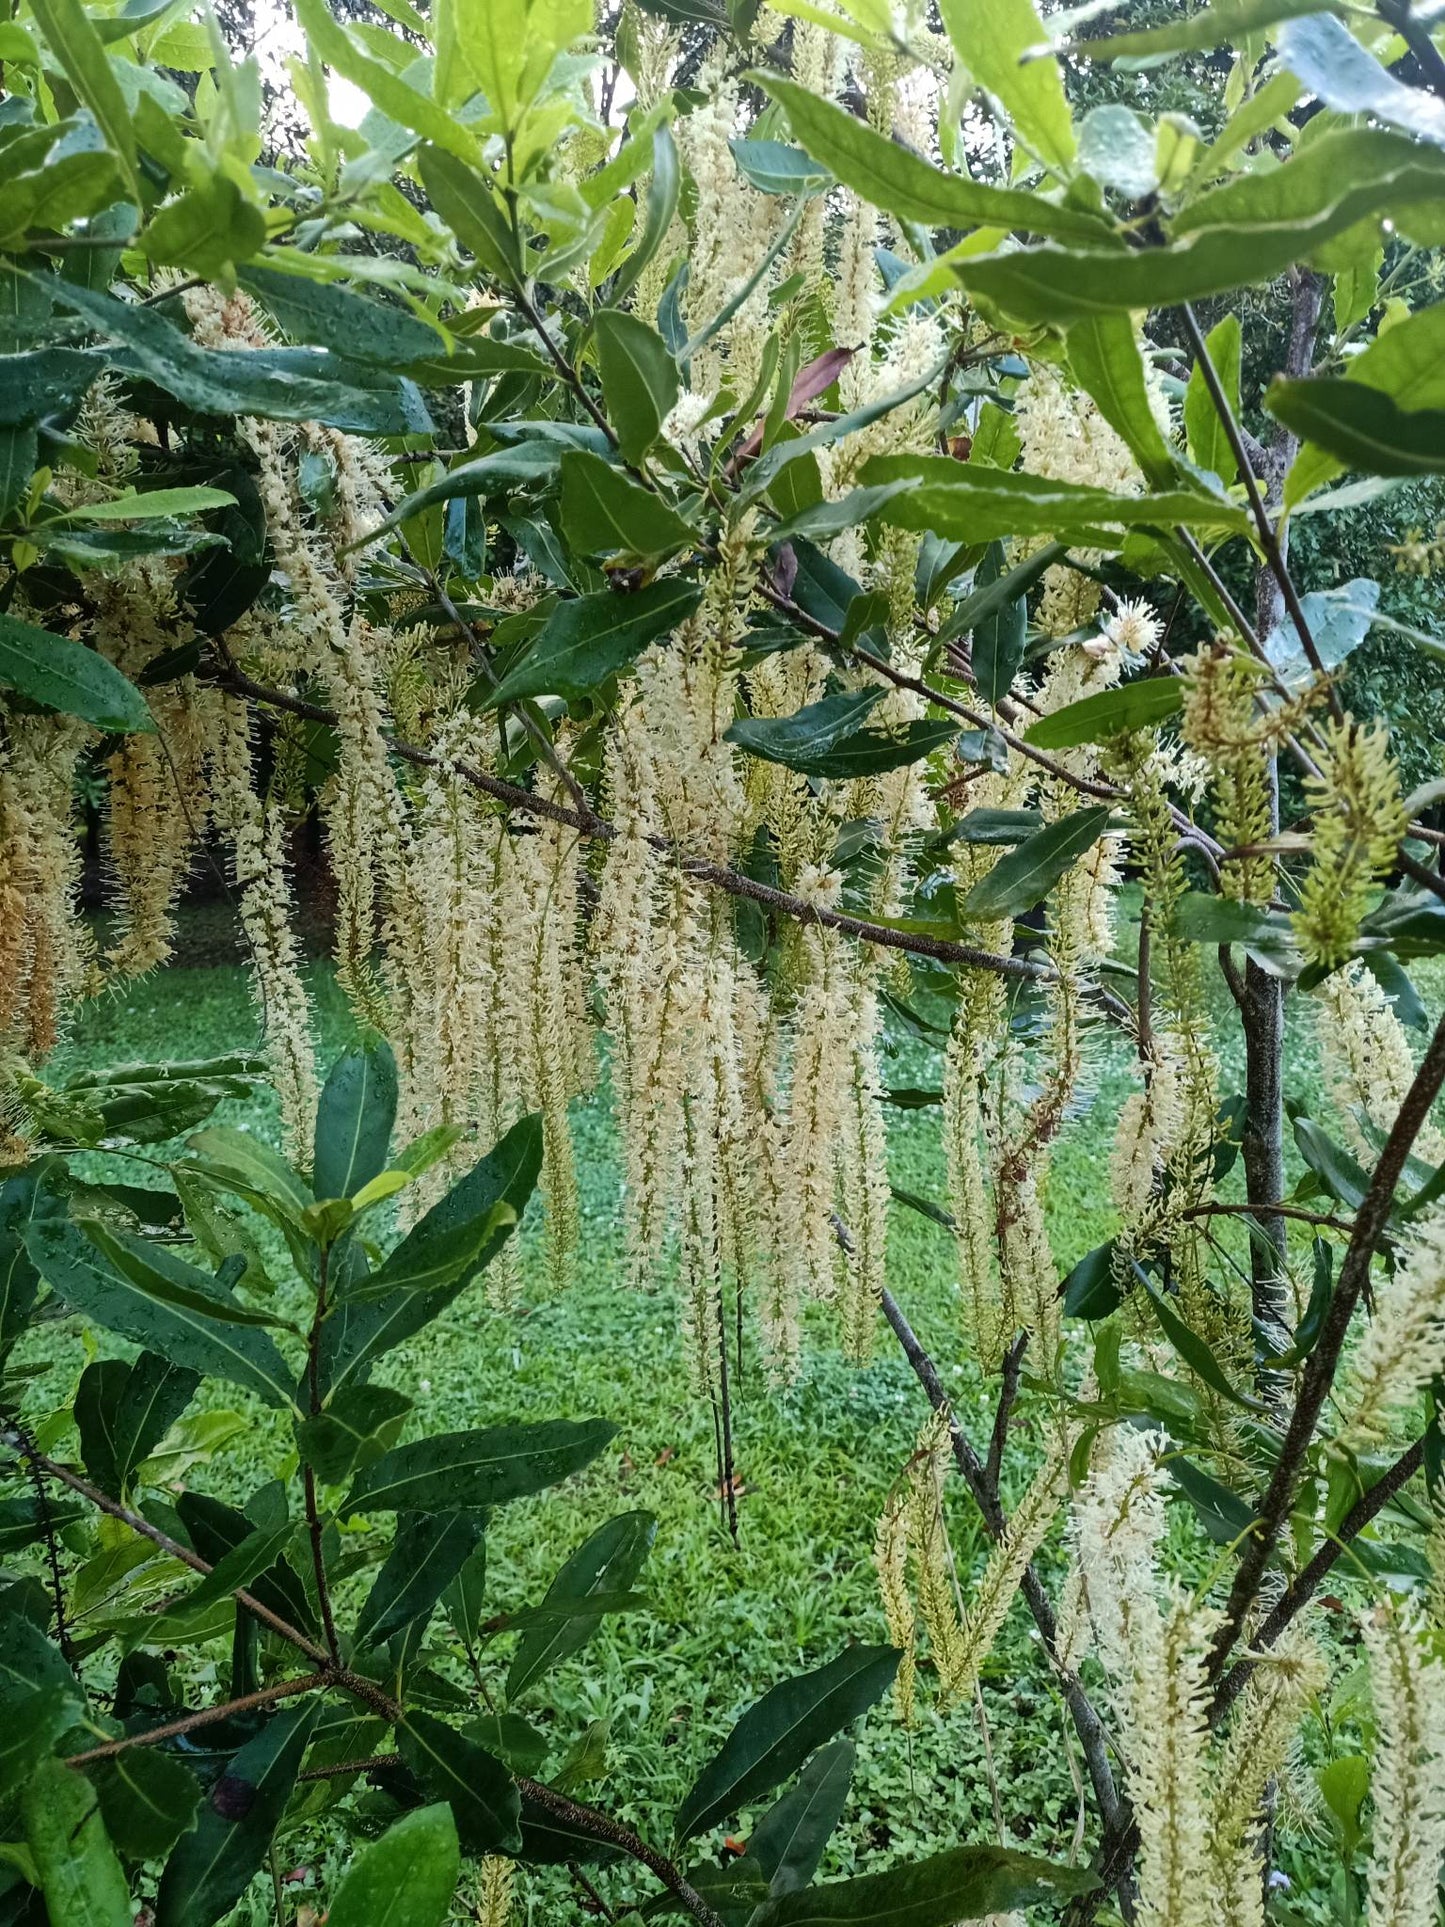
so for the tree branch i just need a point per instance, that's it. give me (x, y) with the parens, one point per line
(1087, 1724)
(206, 1716)
(1319, 1369)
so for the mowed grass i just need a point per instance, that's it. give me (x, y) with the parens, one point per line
(815, 1461)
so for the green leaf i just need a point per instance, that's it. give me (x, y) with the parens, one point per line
(1224, 24)
(1091, 1289)
(23, 1198)
(982, 504)
(589, 638)
(776, 1735)
(148, 1799)
(986, 599)
(354, 1120)
(233, 1572)
(75, 1863)
(122, 1413)
(803, 740)
(357, 1333)
(1361, 427)
(1000, 636)
(66, 676)
(134, 507)
(775, 168)
(45, 381)
(381, 84)
(663, 191)
(349, 324)
(991, 38)
(281, 384)
(605, 513)
(252, 1166)
(467, 203)
(71, 37)
(901, 182)
(1019, 880)
(966, 1883)
(24, 1521)
(357, 1425)
(787, 1843)
(468, 1471)
(608, 1562)
(208, 229)
(499, 473)
(99, 1274)
(1242, 234)
(1407, 363)
(1109, 712)
(404, 1879)
(639, 379)
(1207, 440)
(1340, 1174)
(482, 1795)
(212, 1866)
(1105, 357)
(1193, 1349)
(425, 1559)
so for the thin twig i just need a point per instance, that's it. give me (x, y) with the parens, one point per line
(206, 1716)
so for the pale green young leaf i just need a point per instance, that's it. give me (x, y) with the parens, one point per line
(404, 1879)
(1207, 439)
(991, 38)
(639, 379)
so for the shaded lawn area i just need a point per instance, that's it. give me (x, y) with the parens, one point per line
(815, 1462)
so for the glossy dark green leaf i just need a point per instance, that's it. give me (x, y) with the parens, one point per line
(469, 1471)
(892, 177)
(965, 1883)
(356, 1426)
(802, 740)
(78, 1871)
(606, 1563)
(148, 1799)
(217, 1531)
(788, 1841)
(354, 1120)
(499, 473)
(23, 1522)
(589, 638)
(1360, 426)
(26, 1197)
(1340, 1173)
(606, 513)
(1407, 363)
(776, 1735)
(212, 1866)
(476, 1786)
(350, 324)
(101, 1275)
(406, 1878)
(122, 1413)
(284, 384)
(1109, 712)
(998, 637)
(640, 381)
(425, 1558)
(1091, 1290)
(1019, 880)
(1194, 1350)
(66, 676)
(1223, 1514)
(44, 381)
(357, 1332)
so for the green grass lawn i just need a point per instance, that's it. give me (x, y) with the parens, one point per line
(726, 1622)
